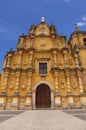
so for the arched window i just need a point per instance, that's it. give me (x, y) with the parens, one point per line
(84, 41)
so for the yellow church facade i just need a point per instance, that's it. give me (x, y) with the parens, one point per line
(45, 71)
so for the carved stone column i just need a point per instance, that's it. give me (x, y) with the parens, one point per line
(5, 82)
(31, 42)
(55, 58)
(17, 82)
(34, 99)
(76, 60)
(80, 82)
(52, 100)
(31, 58)
(68, 82)
(19, 59)
(29, 81)
(65, 58)
(56, 81)
(9, 60)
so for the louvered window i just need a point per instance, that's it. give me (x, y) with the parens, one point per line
(42, 68)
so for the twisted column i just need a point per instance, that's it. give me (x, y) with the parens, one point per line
(29, 81)
(17, 82)
(76, 60)
(80, 82)
(9, 60)
(65, 58)
(19, 59)
(68, 82)
(5, 82)
(56, 81)
(55, 58)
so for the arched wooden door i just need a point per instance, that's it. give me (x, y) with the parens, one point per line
(43, 96)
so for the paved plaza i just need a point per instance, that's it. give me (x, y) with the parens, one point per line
(43, 120)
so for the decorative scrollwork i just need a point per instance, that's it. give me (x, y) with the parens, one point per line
(62, 84)
(11, 86)
(23, 86)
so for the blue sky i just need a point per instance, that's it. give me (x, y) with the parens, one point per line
(16, 16)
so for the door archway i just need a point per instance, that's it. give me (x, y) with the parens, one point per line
(43, 96)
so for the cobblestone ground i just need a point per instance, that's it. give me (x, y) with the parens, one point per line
(79, 113)
(43, 120)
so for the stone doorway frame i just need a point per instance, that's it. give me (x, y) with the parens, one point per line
(34, 95)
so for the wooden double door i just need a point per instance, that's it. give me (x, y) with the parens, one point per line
(43, 96)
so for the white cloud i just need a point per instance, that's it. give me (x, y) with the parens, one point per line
(81, 24)
(84, 18)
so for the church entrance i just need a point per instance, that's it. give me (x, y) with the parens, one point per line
(43, 96)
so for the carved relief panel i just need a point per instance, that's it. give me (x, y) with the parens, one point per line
(11, 84)
(74, 84)
(25, 60)
(14, 60)
(27, 43)
(71, 62)
(42, 29)
(63, 86)
(60, 60)
(23, 84)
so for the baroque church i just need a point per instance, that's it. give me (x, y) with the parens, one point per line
(45, 71)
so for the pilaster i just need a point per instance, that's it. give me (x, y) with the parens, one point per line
(56, 81)
(68, 82)
(9, 60)
(65, 57)
(55, 58)
(17, 82)
(6, 76)
(80, 81)
(20, 59)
